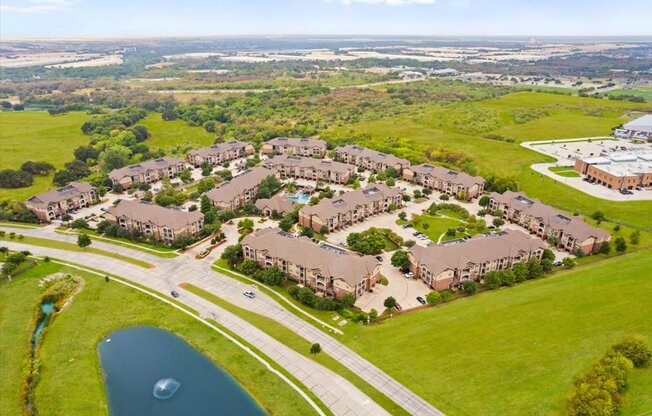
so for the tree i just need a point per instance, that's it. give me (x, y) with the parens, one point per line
(548, 254)
(348, 300)
(402, 216)
(66, 217)
(534, 269)
(621, 244)
(12, 179)
(390, 302)
(390, 182)
(373, 315)
(37, 168)
(246, 224)
(497, 222)
(568, 262)
(4, 250)
(433, 298)
(115, 157)
(493, 280)
(520, 272)
(249, 267)
(605, 248)
(400, 259)
(83, 240)
(483, 201)
(508, 277)
(469, 287)
(315, 348)
(231, 254)
(547, 265)
(79, 223)
(323, 230)
(635, 237)
(308, 232)
(636, 350)
(273, 276)
(8, 268)
(599, 216)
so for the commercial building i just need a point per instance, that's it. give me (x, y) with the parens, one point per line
(448, 266)
(278, 204)
(445, 180)
(639, 129)
(240, 190)
(351, 207)
(566, 232)
(147, 172)
(219, 153)
(295, 146)
(49, 205)
(369, 159)
(313, 169)
(618, 170)
(163, 224)
(325, 268)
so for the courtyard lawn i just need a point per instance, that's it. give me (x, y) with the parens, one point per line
(173, 136)
(39, 137)
(435, 227)
(462, 129)
(71, 378)
(565, 171)
(517, 350)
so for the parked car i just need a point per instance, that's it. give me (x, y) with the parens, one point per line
(398, 307)
(103, 209)
(407, 225)
(249, 294)
(557, 263)
(408, 274)
(379, 258)
(174, 294)
(416, 233)
(421, 300)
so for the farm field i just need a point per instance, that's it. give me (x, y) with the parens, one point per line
(461, 128)
(39, 137)
(167, 135)
(75, 386)
(517, 350)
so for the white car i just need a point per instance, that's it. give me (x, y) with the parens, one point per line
(409, 275)
(249, 294)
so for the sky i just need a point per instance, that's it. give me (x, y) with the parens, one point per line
(98, 18)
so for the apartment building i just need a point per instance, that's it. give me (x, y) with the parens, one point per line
(278, 204)
(313, 169)
(619, 170)
(369, 159)
(294, 146)
(352, 207)
(325, 268)
(49, 205)
(569, 233)
(147, 172)
(448, 266)
(219, 153)
(163, 224)
(445, 180)
(240, 190)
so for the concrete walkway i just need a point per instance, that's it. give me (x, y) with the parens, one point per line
(166, 277)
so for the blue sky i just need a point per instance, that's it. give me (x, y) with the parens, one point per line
(391, 17)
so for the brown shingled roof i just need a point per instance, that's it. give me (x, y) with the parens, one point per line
(296, 141)
(339, 264)
(446, 174)
(279, 203)
(138, 168)
(373, 155)
(219, 148)
(247, 180)
(327, 208)
(73, 189)
(309, 162)
(147, 212)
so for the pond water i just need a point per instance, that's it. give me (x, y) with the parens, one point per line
(300, 198)
(46, 309)
(149, 371)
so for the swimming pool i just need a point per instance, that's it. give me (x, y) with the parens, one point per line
(300, 198)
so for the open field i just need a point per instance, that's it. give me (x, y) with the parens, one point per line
(75, 386)
(517, 350)
(168, 134)
(461, 128)
(39, 137)
(640, 91)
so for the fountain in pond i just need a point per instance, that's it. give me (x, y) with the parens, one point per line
(165, 388)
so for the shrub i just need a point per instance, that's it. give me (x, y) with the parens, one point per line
(568, 262)
(621, 244)
(272, 276)
(508, 277)
(469, 287)
(249, 267)
(493, 280)
(79, 223)
(636, 350)
(446, 295)
(498, 222)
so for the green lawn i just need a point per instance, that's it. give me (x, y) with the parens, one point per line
(565, 171)
(167, 135)
(517, 350)
(461, 129)
(636, 92)
(164, 252)
(436, 226)
(71, 381)
(44, 242)
(39, 137)
(300, 345)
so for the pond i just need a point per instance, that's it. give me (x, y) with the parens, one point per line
(149, 371)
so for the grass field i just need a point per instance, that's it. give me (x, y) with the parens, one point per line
(461, 128)
(39, 137)
(168, 134)
(517, 350)
(71, 380)
(565, 171)
(646, 93)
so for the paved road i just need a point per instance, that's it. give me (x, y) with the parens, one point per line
(337, 393)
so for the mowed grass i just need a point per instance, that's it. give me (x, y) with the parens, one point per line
(461, 128)
(71, 379)
(168, 134)
(517, 350)
(39, 137)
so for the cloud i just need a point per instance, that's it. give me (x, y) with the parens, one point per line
(386, 2)
(38, 6)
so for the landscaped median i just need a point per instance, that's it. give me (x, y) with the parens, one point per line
(70, 378)
(43, 242)
(300, 345)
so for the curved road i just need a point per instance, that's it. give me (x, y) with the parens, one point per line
(338, 394)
